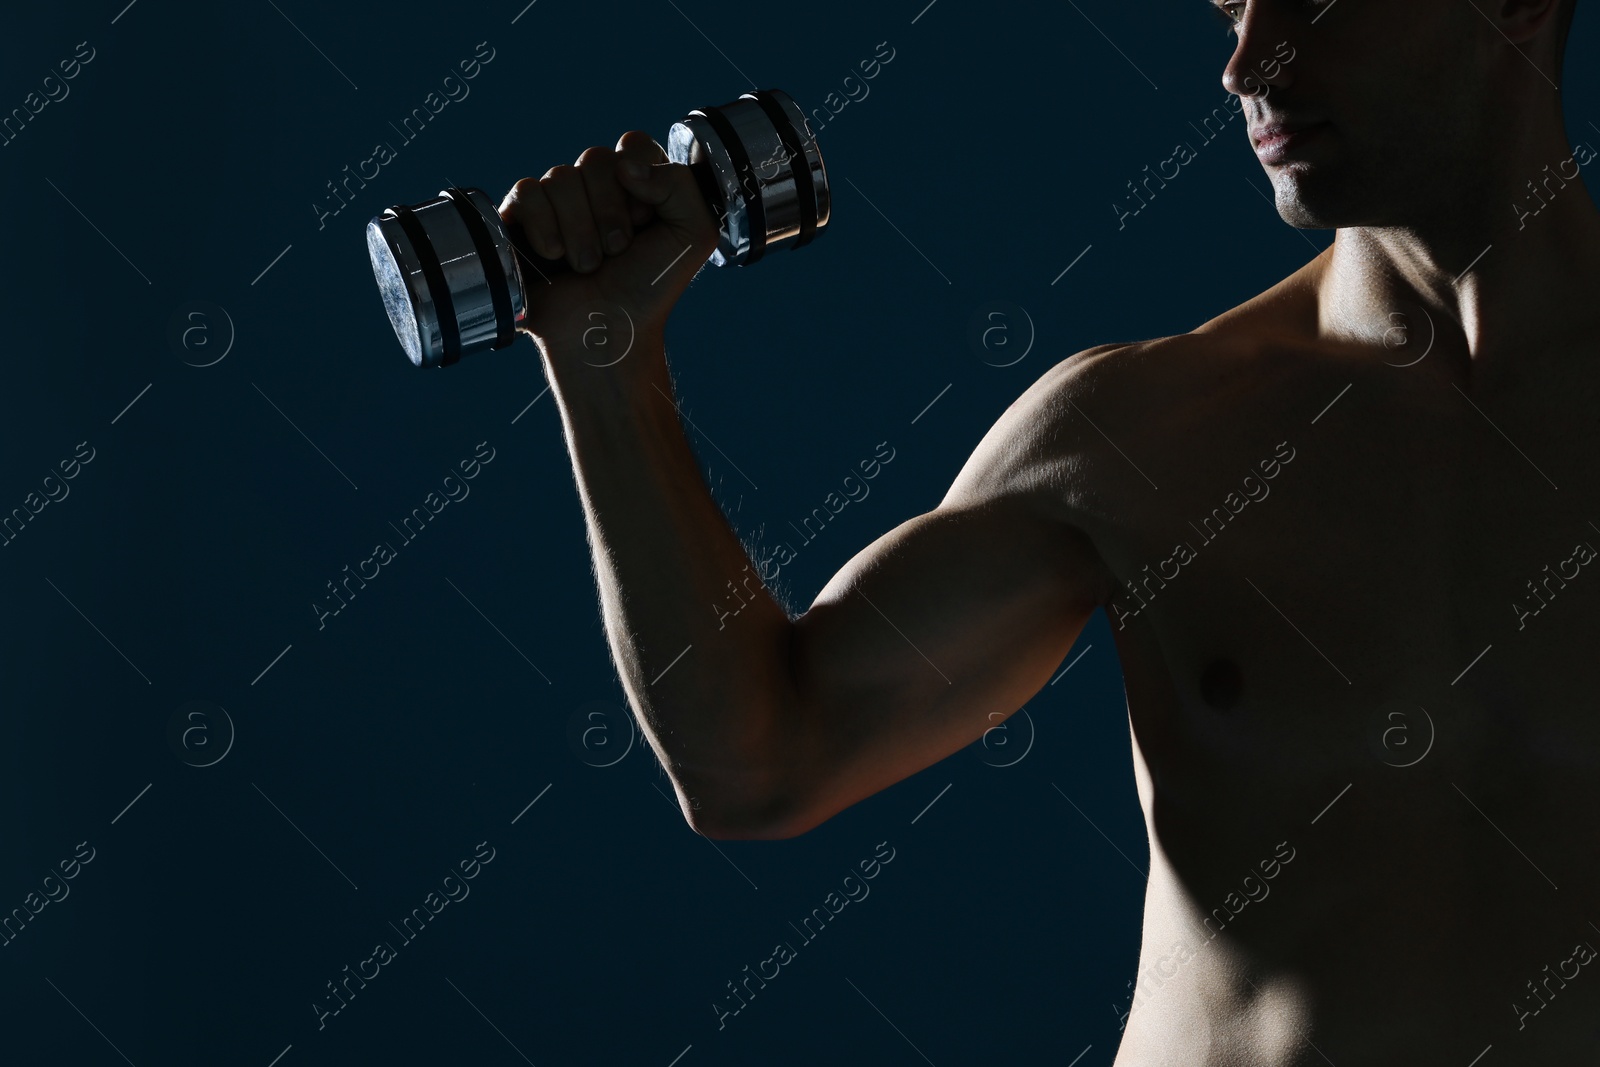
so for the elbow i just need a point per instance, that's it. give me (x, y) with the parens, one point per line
(760, 788)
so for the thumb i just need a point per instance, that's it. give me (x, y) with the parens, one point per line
(671, 189)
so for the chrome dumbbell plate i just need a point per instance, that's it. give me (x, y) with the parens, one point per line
(447, 274)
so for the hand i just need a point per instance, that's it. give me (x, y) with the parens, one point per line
(633, 243)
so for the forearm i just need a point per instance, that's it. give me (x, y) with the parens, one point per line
(709, 689)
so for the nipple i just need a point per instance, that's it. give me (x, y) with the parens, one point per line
(1221, 683)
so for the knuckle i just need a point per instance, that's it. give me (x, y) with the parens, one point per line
(602, 187)
(559, 173)
(595, 155)
(578, 227)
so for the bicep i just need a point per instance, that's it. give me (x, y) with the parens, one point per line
(930, 636)
(947, 624)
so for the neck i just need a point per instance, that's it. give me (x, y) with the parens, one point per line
(1505, 264)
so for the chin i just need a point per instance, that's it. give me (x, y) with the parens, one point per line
(1303, 217)
(1346, 191)
(1313, 202)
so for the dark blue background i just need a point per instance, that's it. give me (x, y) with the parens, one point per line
(188, 552)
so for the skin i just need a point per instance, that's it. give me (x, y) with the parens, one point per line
(1368, 756)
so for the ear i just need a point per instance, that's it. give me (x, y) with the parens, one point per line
(1522, 20)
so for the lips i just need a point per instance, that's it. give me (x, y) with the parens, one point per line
(1272, 131)
(1277, 140)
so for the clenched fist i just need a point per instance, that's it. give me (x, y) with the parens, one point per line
(634, 228)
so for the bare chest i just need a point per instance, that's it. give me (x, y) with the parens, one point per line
(1356, 574)
(1358, 620)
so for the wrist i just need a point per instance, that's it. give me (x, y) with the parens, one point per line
(622, 365)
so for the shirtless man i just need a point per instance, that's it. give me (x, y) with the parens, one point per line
(1344, 533)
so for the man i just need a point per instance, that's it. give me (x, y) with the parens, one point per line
(1345, 534)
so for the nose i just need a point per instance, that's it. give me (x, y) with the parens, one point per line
(1262, 53)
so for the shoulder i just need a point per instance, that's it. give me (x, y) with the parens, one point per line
(1103, 399)
(1081, 451)
(1136, 377)
(1105, 442)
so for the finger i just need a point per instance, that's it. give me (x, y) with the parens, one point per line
(671, 190)
(640, 147)
(565, 188)
(527, 206)
(636, 144)
(639, 160)
(607, 200)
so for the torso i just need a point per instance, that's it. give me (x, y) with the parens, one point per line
(1336, 688)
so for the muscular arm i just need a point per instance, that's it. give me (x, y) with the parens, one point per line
(947, 624)
(928, 637)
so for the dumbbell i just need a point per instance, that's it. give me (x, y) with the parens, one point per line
(455, 280)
